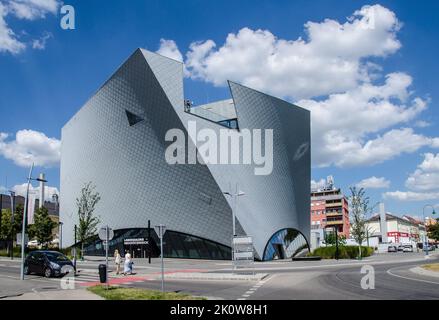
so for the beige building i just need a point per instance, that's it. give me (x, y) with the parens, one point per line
(399, 229)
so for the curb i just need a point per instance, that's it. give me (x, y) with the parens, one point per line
(424, 272)
(216, 276)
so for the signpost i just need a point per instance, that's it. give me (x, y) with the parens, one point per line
(19, 238)
(106, 234)
(160, 230)
(243, 254)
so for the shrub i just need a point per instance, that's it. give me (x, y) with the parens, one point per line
(344, 252)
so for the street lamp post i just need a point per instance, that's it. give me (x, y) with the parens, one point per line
(336, 242)
(425, 226)
(235, 200)
(12, 193)
(23, 229)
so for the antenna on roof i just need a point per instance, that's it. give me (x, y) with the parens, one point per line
(329, 182)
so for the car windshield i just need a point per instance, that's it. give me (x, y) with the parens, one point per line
(54, 256)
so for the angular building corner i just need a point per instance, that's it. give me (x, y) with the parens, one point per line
(117, 141)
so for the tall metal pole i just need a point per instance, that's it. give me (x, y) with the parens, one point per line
(235, 199)
(74, 249)
(149, 241)
(425, 226)
(60, 235)
(107, 235)
(12, 223)
(1, 209)
(24, 223)
(336, 243)
(163, 266)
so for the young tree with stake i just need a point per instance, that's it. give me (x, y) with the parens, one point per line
(86, 204)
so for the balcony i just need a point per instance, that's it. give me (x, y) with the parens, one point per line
(333, 223)
(334, 213)
(334, 204)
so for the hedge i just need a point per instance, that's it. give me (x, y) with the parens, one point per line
(344, 252)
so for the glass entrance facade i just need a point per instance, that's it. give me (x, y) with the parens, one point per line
(139, 243)
(285, 244)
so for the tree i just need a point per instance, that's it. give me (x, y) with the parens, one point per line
(359, 210)
(42, 228)
(330, 239)
(86, 203)
(8, 229)
(433, 230)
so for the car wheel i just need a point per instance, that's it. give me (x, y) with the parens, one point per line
(26, 270)
(47, 272)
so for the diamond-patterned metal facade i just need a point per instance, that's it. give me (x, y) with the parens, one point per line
(127, 163)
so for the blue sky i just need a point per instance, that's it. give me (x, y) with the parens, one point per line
(382, 120)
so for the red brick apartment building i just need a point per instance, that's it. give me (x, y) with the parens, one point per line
(329, 208)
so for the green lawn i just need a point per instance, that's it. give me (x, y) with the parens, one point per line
(119, 293)
(431, 267)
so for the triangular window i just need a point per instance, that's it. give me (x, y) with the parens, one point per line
(133, 118)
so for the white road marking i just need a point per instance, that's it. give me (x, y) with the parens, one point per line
(407, 278)
(255, 287)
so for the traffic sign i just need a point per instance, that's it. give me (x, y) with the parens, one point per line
(160, 230)
(102, 233)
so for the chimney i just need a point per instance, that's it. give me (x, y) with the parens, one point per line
(41, 203)
(383, 223)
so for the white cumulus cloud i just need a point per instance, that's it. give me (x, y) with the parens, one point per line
(20, 189)
(8, 39)
(374, 183)
(423, 183)
(329, 60)
(345, 126)
(30, 146)
(426, 176)
(168, 48)
(24, 10)
(360, 116)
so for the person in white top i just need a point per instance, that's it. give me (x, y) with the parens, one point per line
(117, 260)
(128, 264)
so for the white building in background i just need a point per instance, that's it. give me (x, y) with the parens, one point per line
(399, 229)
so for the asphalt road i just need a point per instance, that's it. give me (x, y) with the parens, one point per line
(333, 280)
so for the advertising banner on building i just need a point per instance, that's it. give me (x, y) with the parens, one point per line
(31, 209)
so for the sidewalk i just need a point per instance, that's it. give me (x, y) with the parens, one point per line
(77, 294)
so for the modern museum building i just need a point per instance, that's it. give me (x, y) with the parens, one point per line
(142, 144)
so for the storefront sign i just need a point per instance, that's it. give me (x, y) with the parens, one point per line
(135, 241)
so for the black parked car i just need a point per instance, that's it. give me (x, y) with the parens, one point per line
(47, 263)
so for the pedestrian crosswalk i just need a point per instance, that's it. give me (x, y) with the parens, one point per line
(92, 279)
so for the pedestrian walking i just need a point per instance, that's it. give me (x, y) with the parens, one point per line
(117, 260)
(128, 265)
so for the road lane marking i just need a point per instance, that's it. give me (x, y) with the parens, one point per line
(255, 287)
(408, 278)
